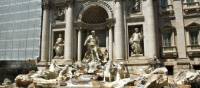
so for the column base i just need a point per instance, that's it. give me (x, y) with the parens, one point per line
(137, 65)
(119, 60)
(42, 65)
(62, 61)
(139, 61)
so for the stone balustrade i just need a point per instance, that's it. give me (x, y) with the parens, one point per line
(169, 51)
(193, 50)
(191, 7)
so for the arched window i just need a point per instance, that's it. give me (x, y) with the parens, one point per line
(169, 42)
(193, 35)
(168, 36)
(193, 39)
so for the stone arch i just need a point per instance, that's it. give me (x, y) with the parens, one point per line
(102, 4)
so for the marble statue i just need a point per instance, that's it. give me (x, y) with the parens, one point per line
(7, 82)
(23, 80)
(59, 47)
(136, 7)
(92, 67)
(62, 76)
(120, 71)
(135, 42)
(103, 54)
(60, 14)
(92, 44)
(108, 70)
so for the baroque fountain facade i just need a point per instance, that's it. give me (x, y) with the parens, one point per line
(116, 43)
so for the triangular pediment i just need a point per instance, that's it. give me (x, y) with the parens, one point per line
(193, 24)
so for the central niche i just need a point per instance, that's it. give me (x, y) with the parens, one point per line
(94, 15)
(94, 18)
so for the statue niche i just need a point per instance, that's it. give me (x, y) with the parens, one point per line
(135, 42)
(94, 55)
(59, 47)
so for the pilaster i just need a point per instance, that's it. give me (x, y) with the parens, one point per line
(150, 42)
(181, 43)
(119, 49)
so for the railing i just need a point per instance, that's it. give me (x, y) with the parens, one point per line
(193, 50)
(193, 5)
(193, 47)
(170, 51)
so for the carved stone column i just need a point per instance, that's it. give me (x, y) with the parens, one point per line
(150, 42)
(45, 32)
(79, 45)
(110, 43)
(68, 52)
(119, 32)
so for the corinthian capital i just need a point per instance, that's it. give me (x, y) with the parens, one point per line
(45, 4)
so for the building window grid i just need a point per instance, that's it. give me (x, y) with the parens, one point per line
(20, 29)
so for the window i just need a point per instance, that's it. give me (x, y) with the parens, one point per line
(189, 1)
(194, 37)
(167, 39)
(163, 3)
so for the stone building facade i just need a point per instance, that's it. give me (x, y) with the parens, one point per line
(138, 33)
(169, 30)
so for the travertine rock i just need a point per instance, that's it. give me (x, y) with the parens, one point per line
(23, 80)
(186, 77)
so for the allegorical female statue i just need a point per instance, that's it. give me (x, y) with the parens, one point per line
(59, 47)
(135, 42)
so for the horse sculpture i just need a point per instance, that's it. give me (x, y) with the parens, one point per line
(186, 76)
(120, 68)
(108, 70)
